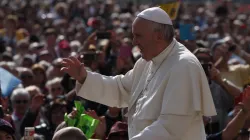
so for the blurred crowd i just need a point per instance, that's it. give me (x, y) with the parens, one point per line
(35, 35)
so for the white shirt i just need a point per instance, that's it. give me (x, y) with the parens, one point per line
(166, 97)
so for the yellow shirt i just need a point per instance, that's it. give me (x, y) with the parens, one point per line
(238, 74)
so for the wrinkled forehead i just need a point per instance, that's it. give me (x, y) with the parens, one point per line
(140, 24)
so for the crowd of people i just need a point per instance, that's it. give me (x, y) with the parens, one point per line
(35, 35)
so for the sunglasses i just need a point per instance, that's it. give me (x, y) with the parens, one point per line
(21, 101)
(26, 76)
(56, 89)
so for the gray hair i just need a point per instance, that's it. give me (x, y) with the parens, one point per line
(19, 92)
(53, 81)
(166, 30)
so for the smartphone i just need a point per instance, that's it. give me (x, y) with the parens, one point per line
(89, 56)
(207, 67)
(103, 35)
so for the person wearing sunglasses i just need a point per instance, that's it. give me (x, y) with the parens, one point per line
(20, 103)
(27, 77)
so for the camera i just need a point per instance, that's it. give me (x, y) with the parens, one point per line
(90, 56)
(207, 67)
(103, 35)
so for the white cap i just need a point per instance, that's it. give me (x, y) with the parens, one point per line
(156, 14)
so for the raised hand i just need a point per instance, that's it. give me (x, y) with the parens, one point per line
(101, 128)
(246, 98)
(92, 113)
(215, 74)
(74, 68)
(72, 114)
(92, 38)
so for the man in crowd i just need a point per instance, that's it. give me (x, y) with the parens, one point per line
(71, 133)
(166, 92)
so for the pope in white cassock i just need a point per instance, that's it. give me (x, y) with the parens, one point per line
(166, 92)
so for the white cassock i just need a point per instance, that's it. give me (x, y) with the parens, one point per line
(166, 97)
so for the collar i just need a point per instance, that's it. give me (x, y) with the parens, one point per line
(160, 57)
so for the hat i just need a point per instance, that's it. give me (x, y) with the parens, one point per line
(64, 44)
(93, 22)
(156, 14)
(35, 46)
(6, 126)
(119, 127)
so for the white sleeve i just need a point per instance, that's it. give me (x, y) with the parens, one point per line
(108, 90)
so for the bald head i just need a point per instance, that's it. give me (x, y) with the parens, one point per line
(69, 133)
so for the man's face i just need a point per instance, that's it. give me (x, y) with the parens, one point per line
(56, 89)
(5, 136)
(51, 40)
(143, 37)
(40, 76)
(27, 78)
(21, 104)
(222, 51)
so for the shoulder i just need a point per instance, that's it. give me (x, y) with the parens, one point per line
(185, 59)
(183, 56)
(140, 64)
(239, 67)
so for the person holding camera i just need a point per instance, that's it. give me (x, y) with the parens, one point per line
(223, 91)
(222, 51)
(167, 86)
